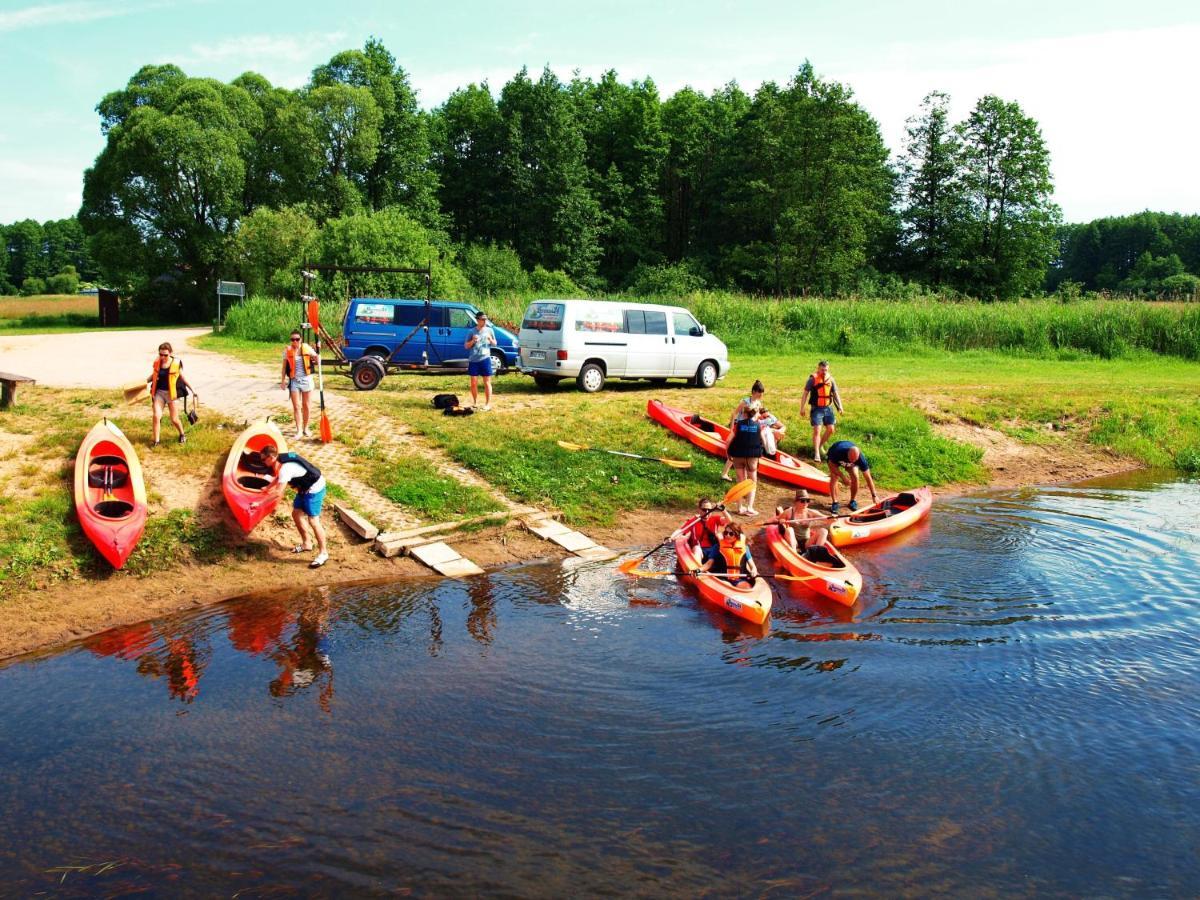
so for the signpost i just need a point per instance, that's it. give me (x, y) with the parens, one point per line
(228, 289)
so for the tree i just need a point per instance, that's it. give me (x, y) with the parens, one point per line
(347, 121)
(1006, 235)
(26, 257)
(467, 145)
(165, 193)
(931, 192)
(269, 247)
(285, 156)
(65, 281)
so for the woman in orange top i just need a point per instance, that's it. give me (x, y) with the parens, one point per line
(168, 385)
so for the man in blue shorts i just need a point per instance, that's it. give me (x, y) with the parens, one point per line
(479, 361)
(845, 455)
(306, 479)
(821, 395)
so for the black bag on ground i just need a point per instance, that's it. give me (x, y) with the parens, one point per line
(445, 401)
(458, 411)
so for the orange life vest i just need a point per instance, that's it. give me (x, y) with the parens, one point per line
(305, 352)
(822, 389)
(733, 552)
(172, 375)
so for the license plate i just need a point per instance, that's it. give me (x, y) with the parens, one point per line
(537, 354)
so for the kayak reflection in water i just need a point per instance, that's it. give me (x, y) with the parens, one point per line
(181, 663)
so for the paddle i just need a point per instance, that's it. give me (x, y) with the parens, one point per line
(673, 463)
(676, 572)
(734, 494)
(315, 322)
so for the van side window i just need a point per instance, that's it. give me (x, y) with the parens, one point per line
(685, 324)
(409, 314)
(635, 321)
(373, 313)
(461, 318)
(656, 322)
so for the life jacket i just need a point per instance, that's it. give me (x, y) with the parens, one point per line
(822, 389)
(301, 482)
(305, 352)
(172, 375)
(733, 552)
(749, 426)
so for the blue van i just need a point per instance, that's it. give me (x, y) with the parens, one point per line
(375, 326)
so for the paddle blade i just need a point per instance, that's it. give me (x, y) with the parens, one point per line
(326, 430)
(135, 393)
(676, 463)
(567, 445)
(627, 567)
(738, 491)
(313, 316)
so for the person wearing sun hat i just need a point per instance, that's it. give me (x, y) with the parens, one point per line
(791, 523)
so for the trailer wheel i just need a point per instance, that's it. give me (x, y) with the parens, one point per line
(366, 373)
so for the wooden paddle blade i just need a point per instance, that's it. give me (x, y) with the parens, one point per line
(738, 491)
(326, 430)
(135, 392)
(567, 445)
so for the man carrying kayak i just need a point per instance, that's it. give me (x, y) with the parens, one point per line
(306, 479)
(844, 455)
(821, 395)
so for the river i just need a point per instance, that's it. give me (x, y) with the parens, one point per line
(1012, 708)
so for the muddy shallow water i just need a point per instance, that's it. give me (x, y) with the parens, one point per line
(1011, 708)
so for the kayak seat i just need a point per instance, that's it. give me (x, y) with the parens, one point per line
(702, 423)
(113, 509)
(252, 461)
(821, 556)
(108, 472)
(252, 482)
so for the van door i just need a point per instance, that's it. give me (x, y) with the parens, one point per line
(368, 326)
(651, 354)
(459, 322)
(599, 327)
(690, 345)
(409, 320)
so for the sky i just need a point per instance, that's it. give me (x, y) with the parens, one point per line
(1111, 82)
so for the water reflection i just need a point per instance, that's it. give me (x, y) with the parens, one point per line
(1011, 698)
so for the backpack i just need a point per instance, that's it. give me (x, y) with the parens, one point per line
(457, 410)
(445, 401)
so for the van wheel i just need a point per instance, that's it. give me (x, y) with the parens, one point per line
(499, 365)
(590, 378)
(366, 373)
(545, 382)
(706, 375)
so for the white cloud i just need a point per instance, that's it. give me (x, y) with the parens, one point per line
(38, 190)
(65, 14)
(285, 60)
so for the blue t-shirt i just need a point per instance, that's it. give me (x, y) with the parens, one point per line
(838, 452)
(484, 338)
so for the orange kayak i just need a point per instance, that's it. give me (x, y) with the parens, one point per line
(110, 494)
(246, 478)
(749, 602)
(711, 436)
(829, 574)
(885, 518)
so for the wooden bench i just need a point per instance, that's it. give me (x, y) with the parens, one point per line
(8, 388)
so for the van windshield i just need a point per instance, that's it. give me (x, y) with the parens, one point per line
(544, 317)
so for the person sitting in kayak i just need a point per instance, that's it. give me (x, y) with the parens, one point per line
(732, 557)
(845, 455)
(309, 484)
(702, 532)
(792, 523)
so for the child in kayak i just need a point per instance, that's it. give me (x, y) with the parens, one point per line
(732, 557)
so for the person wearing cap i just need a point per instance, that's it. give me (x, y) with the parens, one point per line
(479, 360)
(793, 523)
(845, 456)
(822, 397)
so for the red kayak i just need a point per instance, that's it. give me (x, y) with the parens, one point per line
(711, 436)
(247, 477)
(749, 602)
(110, 494)
(824, 569)
(885, 518)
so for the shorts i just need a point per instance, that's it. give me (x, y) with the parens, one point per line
(480, 367)
(310, 503)
(303, 384)
(821, 415)
(707, 553)
(164, 397)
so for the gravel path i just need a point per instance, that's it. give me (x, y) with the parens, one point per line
(238, 390)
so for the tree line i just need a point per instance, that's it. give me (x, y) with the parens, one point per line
(593, 185)
(44, 257)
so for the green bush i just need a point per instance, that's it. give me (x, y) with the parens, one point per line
(666, 280)
(33, 286)
(65, 282)
(493, 269)
(553, 284)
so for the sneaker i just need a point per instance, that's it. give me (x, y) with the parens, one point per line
(485, 408)
(816, 457)
(853, 505)
(183, 439)
(320, 560)
(835, 508)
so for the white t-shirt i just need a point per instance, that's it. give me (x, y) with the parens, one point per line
(290, 470)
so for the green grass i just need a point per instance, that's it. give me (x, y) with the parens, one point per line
(418, 486)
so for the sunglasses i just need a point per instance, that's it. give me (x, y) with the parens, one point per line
(164, 355)
(295, 340)
(802, 501)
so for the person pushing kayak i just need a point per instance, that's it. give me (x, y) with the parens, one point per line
(306, 479)
(844, 455)
(732, 557)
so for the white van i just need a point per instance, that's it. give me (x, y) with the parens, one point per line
(594, 340)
